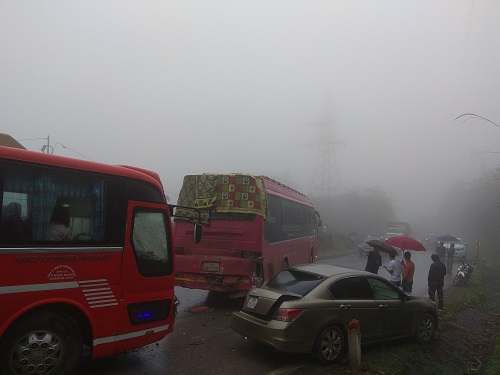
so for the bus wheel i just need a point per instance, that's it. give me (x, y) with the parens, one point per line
(285, 265)
(44, 343)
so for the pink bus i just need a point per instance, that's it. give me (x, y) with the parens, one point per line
(253, 228)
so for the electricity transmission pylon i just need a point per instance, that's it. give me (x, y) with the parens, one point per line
(325, 182)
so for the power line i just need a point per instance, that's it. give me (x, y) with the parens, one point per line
(474, 118)
(49, 149)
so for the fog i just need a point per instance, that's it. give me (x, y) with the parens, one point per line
(185, 87)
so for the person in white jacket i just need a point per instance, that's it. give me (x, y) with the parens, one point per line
(394, 269)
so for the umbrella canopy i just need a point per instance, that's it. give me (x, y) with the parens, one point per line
(447, 238)
(405, 243)
(382, 246)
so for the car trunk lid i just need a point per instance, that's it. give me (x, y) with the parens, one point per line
(264, 302)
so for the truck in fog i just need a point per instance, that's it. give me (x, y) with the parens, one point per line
(399, 227)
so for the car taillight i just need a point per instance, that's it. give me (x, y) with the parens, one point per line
(287, 315)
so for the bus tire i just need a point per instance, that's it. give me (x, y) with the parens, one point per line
(44, 343)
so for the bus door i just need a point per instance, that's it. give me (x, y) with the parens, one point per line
(148, 271)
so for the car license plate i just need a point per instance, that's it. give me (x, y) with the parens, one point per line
(252, 302)
(211, 266)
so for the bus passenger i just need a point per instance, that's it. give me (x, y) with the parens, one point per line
(59, 225)
(15, 226)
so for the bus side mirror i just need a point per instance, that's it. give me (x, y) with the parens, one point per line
(197, 232)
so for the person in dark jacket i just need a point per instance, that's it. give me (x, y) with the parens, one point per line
(451, 258)
(374, 261)
(441, 250)
(435, 280)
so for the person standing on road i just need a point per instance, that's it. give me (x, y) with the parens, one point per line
(451, 258)
(394, 269)
(408, 272)
(435, 280)
(374, 261)
(441, 250)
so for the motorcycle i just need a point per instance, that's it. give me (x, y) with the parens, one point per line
(464, 273)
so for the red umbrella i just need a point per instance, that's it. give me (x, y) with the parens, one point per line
(405, 243)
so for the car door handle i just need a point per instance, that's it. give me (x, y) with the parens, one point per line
(382, 306)
(345, 306)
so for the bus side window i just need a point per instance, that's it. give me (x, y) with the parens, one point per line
(84, 222)
(149, 241)
(273, 230)
(52, 205)
(14, 224)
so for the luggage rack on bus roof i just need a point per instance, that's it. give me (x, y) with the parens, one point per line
(282, 185)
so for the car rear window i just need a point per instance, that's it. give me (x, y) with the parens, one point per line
(295, 281)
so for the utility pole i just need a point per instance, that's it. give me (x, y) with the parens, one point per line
(47, 147)
(325, 182)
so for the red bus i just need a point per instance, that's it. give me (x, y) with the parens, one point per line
(87, 261)
(253, 228)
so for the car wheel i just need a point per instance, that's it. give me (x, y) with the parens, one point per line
(425, 328)
(44, 343)
(330, 345)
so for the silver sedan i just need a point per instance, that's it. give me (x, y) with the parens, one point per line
(308, 308)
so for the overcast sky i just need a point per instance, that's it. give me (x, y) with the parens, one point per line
(184, 87)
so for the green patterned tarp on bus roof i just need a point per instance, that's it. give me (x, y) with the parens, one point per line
(239, 193)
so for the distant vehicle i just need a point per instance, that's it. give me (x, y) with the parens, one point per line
(393, 234)
(399, 227)
(307, 309)
(364, 248)
(430, 241)
(460, 247)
